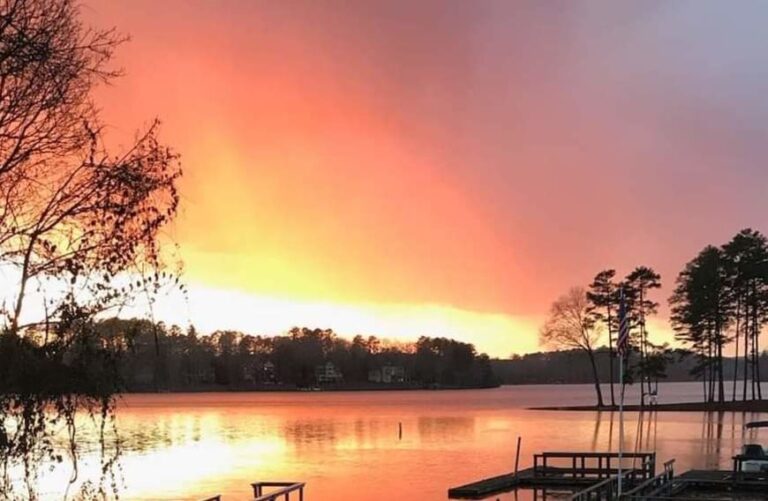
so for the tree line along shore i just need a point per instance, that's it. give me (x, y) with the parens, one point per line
(574, 367)
(155, 357)
(719, 304)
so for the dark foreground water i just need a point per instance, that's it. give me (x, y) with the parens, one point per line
(347, 445)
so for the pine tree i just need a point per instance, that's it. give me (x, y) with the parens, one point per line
(702, 310)
(746, 258)
(603, 296)
(637, 286)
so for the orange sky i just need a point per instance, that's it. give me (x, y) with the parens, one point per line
(440, 168)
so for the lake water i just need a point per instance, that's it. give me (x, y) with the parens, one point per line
(347, 445)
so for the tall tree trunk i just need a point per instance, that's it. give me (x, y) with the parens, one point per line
(756, 327)
(598, 390)
(746, 350)
(759, 381)
(642, 350)
(646, 367)
(711, 368)
(752, 361)
(752, 352)
(703, 377)
(719, 339)
(720, 382)
(736, 358)
(753, 340)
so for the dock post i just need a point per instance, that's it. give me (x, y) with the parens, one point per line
(517, 454)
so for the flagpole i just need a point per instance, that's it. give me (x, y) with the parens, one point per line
(622, 349)
(621, 417)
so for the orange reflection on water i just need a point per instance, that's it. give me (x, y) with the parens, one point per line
(347, 445)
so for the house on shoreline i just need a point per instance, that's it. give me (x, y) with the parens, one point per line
(387, 374)
(328, 373)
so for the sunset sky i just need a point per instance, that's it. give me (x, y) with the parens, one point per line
(441, 167)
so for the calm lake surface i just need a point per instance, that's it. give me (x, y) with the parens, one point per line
(346, 445)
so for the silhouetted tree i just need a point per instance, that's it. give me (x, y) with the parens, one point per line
(573, 366)
(637, 286)
(570, 325)
(603, 296)
(78, 226)
(746, 261)
(701, 313)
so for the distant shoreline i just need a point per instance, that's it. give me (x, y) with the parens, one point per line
(748, 406)
(278, 388)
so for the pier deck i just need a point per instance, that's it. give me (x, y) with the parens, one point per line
(593, 476)
(572, 471)
(724, 478)
(491, 485)
(707, 476)
(526, 479)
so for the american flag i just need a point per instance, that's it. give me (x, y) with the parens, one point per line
(622, 345)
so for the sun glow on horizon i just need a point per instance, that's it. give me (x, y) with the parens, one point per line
(210, 309)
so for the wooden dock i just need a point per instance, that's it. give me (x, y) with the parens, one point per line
(560, 470)
(489, 486)
(280, 490)
(691, 485)
(707, 477)
(593, 476)
(725, 479)
(524, 479)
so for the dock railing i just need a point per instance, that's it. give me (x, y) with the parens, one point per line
(284, 489)
(592, 464)
(660, 485)
(607, 490)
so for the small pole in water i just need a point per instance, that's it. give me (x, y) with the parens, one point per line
(517, 455)
(400, 430)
